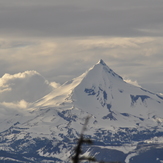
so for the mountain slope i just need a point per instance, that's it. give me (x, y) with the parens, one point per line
(103, 94)
(124, 118)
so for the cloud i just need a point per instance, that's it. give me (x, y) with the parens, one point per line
(16, 105)
(54, 84)
(26, 86)
(27, 54)
(78, 51)
(9, 110)
(71, 19)
(135, 83)
(61, 59)
(62, 39)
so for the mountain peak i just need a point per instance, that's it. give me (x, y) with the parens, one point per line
(101, 62)
(104, 66)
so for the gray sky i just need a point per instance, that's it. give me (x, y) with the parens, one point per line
(62, 38)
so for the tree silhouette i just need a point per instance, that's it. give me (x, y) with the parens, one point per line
(77, 158)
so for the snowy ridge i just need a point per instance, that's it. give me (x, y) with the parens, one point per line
(123, 119)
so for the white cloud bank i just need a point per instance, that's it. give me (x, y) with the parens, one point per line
(22, 104)
(135, 83)
(22, 88)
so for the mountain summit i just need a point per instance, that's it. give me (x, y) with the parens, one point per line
(100, 71)
(124, 119)
(108, 69)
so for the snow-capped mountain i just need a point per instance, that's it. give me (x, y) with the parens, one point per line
(126, 122)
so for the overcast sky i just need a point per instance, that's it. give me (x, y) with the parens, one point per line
(62, 38)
